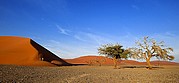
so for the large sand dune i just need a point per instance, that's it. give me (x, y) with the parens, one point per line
(25, 51)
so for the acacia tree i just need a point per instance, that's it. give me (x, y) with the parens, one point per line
(114, 51)
(148, 48)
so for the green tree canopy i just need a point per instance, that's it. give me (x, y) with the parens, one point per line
(114, 51)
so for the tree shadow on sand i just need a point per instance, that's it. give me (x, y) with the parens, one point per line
(154, 67)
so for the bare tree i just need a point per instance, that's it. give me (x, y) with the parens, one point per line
(148, 48)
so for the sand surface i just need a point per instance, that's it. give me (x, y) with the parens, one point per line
(25, 51)
(88, 74)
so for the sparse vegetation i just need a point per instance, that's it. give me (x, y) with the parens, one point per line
(148, 48)
(114, 51)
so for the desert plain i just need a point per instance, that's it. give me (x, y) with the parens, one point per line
(88, 74)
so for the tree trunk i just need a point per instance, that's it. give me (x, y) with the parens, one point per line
(148, 63)
(115, 62)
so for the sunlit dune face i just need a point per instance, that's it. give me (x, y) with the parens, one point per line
(24, 51)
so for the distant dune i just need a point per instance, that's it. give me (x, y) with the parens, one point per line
(94, 60)
(25, 51)
(101, 59)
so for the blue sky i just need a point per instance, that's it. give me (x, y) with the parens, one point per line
(73, 28)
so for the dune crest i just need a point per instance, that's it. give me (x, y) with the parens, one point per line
(25, 51)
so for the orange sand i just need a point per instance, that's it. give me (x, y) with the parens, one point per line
(24, 51)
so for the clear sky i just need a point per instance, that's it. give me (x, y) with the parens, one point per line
(73, 28)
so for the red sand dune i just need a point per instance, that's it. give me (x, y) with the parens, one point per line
(87, 59)
(25, 51)
(109, 61)
(102, 59)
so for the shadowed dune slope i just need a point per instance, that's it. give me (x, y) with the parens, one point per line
(25, 51)
(109, 61)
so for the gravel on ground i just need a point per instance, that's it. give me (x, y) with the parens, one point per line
(87, 74)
